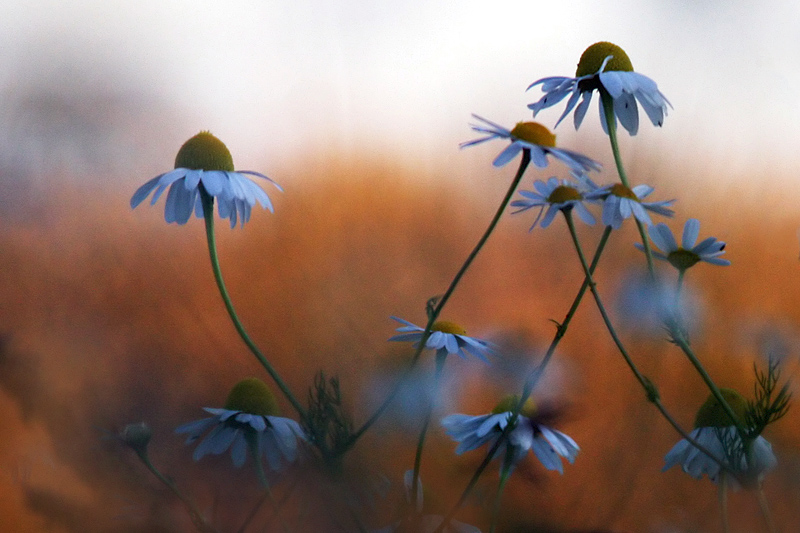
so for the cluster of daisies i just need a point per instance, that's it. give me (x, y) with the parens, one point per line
(204, 173)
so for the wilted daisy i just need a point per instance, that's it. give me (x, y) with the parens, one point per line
(687, 254)
(533, 137)
(446, 338)
(557, 195)
(604, 67)
(716, 433)
(529, 433)
(248, 421)
(204, 162)
(620, 202)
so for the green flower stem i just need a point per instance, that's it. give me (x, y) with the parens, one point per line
(561, 330)
(208, 214)
(681, 275)
(647, 385)
(533, 378)
(682, 342)
(504, 475)
(434, 314)
(611, 122)
(194, 513)
(440, 359)
(606, 320)
(762, 503)
(722, 492)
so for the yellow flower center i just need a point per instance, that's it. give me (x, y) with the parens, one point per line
(593, 57)
(509, 403)
(448, 327)
(712, 414)
(622, 191)
(534, 133)
(564, 193)
(683, 259)
(204, 152)
(252, 396)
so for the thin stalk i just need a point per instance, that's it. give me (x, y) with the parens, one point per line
(208, 215)
(504, 475)
(440, 359)
(762, 503)
(722, 491)
(606, 320)
(530, 383)
(611, 123)
(194, 513)
(647, 385)
(526, 158)
(680, 340)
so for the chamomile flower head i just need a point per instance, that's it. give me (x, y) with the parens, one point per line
(535, 138)
(688, 253)
(715, 431)
(528, 433)
(620, 202)
(557, 195)
(204, 164)
(248, 421)
(604, 67)
(446, 338)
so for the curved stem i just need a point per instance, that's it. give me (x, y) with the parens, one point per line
(762, 503)
(434, 314)
(530, 383)
(208, 215)
(440, 359)
(680, 340)
(647, 385)
(194, 513)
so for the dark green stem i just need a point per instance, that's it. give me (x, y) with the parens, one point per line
(208, 212)
(649, 388)
(530, 383)
(434, 314)
(504, 475)
(440, 359)
(611, 122)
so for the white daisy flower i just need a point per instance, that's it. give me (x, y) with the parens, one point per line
(605, 66)
(620, 202)
(687, 254)
(446, 338)
(530, 136)
(714, 432)
(248, 421)
(557, 195)
(204, 161)
(529, 433)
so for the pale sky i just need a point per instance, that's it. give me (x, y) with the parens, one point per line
(280, 78)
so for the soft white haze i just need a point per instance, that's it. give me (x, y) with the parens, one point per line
(277, 79)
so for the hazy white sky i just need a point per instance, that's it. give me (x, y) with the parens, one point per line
(278, 78)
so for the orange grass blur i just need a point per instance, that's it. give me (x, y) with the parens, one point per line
(110, 316)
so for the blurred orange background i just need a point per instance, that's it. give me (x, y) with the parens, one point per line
(109, 316)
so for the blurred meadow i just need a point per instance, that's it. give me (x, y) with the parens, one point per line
(110, 316)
